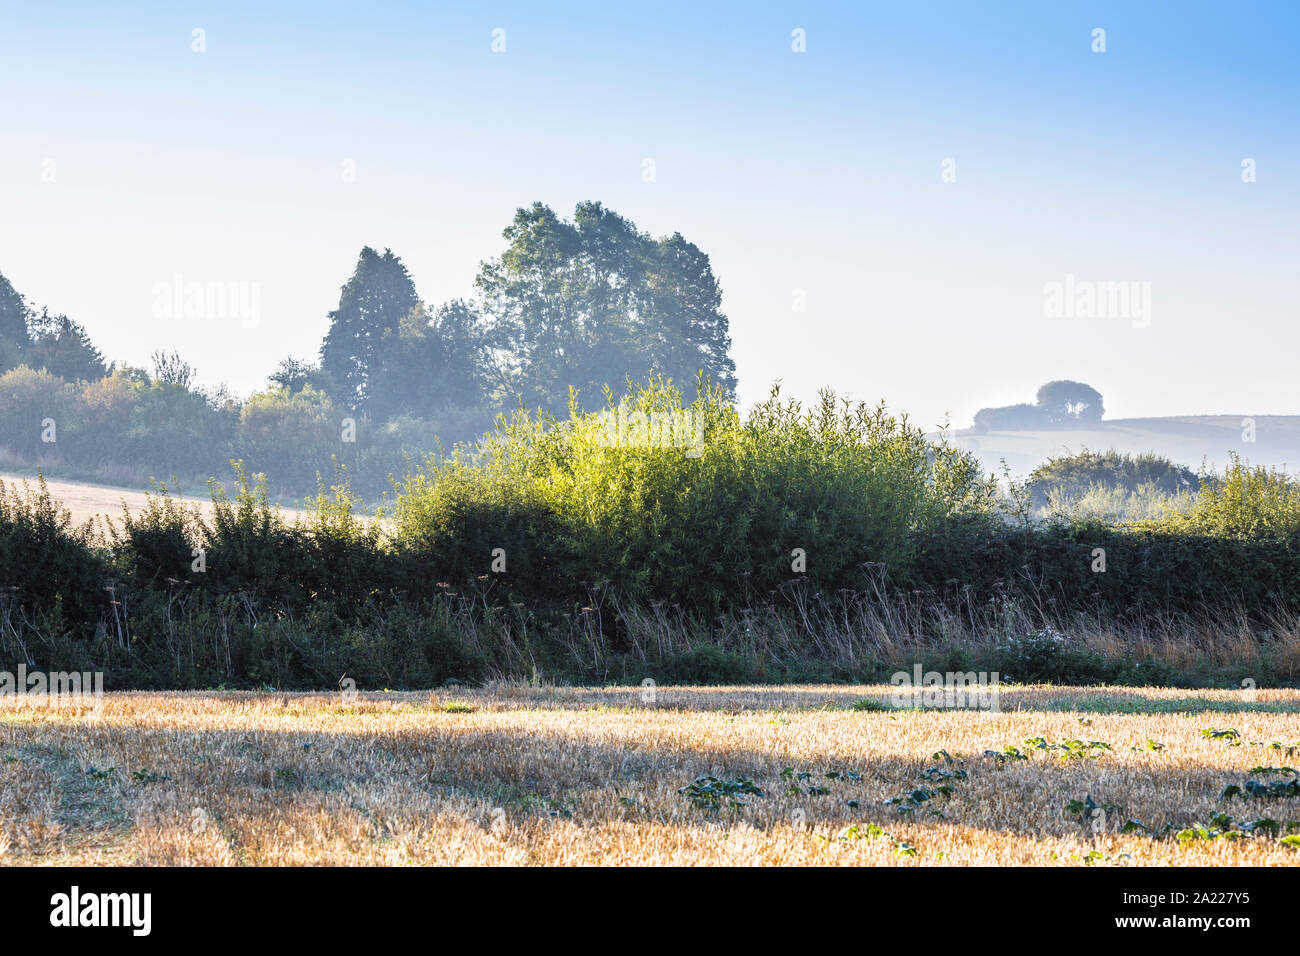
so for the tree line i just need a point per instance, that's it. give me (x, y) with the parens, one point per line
(581, 303)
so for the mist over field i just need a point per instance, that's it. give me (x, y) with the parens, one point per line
(1197, 441)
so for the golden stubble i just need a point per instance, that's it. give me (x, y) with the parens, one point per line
(514, 775)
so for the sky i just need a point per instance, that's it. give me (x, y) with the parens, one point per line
(889, 211)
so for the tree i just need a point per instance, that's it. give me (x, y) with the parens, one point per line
(1066, 402)
(171, 369)
(11, 354)
(1010, 418)
(14, 315)
(296, 374)
(52, 342)
(290, 436)
(173, 428)
(688, 333)
(458, 326)
(430, 362)
(31, 401)
(61, 345)
(373, 303)
(589, 302)
(1058, 403)
(104, 408)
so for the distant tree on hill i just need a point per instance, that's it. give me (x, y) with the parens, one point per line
(1066, 402)
(1010, 418)
(1058, 403)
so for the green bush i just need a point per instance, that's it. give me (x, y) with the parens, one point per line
(707, 664)
(688, 504)
(291, 435)
(1071, 477)
(36, 413)
(46, 561)
(156, 543)
(1260, 504)
(174, 430)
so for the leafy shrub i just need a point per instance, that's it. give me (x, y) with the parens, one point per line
(175, 430)
(707, 513)
(707, 664)
(104, 409)
(46, 561)
(247, 544)
(1255, 504)
(290, 434)
(156, 543)
(1073, 476)
(28, 400)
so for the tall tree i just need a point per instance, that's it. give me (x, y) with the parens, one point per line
(689, 333)
(373, 304)
(592, 301)
(528, 294)
(14, 316)
(62, 346)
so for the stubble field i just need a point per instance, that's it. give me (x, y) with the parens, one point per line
(517, 775)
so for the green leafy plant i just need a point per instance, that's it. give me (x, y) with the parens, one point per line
(710, 793)
(1086, 809)
(1274, 790)
(871, 704)
(1230, 736)
(1069, 749)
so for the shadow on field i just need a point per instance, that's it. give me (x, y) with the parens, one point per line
(403, 756)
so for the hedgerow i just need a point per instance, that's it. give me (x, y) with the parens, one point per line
(661, 539)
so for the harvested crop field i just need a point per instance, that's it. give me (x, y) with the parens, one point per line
(86, 501)
(510, 774)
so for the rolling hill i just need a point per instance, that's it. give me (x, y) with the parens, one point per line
(1188, 440)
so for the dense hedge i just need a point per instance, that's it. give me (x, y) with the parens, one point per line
(867, 499)
(594, 518)
(1148, 568)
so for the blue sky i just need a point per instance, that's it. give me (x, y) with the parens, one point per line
(817, 171)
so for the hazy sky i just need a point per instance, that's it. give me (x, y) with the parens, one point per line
(127, 159)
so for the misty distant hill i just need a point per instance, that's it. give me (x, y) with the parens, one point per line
(1188, 440)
